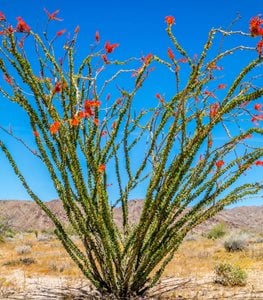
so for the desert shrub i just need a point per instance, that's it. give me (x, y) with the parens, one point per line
(44, 237)
(217, 231)
(23, 249)
(236, 243)
(27, 261)
(21, 261)
(5, 228)
(230, 275)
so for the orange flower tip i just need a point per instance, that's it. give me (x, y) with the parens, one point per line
(77, 29)
(2, 16)
(220, 163)
(259, 163)
(97, 36)
(221, 86)
(170, 20)
(54, 127)
(8, 79)
(96, 121)
(75, 121)
(59, 33)
(35, 133)
(101, 168)
(255, 26)
(110, 47)
(21, 25)
(53, 15)
(104, 58)
(257, 106)
(170, 53)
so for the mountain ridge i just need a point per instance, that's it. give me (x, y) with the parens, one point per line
(24, 215)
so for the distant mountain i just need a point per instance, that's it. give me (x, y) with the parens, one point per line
(26, 215)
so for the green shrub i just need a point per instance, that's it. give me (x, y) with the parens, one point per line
(217, 231)
(230, 275)
(236, 243)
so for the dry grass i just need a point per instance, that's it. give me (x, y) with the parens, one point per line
(194, 260)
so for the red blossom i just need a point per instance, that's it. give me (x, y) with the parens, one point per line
(22, 25)
(92, 103)
(170, 53)
(60, 32)
(147, 59)
(158, 96)
(54, 127)
(96, 121)
(35, 133)
(101, 168)
(258, 107)
(74, 121)
(8, 79)
(169, 20)
(182, 60)
(257, 118)
(77, 29)
(97, 36)
(53, 15)
(103, 133)
(105, 59)
(210, 94)
(110, 47)
(259, 163)
(221, 86)
(213, 110)
(260, 47)
(220, 163)
(2, 16)
(58, 87)
(255, 26)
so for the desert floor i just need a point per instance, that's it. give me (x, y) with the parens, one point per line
(35, 266)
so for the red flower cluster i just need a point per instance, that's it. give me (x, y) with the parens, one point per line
(22, 26)
(169, 20)
(260, 47)
(2, 16)
(52, 16)
(97, 36)
(170, 54)
(101, 168)
(110, 47)
(54, 127)
(255, 26)
(213, 110)
(220, 163)
(147, 59)
(256, 29)
(259, 163)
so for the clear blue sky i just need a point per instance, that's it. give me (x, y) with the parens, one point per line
(139, 28)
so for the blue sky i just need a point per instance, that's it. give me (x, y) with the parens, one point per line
(139, 28)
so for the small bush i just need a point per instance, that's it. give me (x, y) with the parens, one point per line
(24, 249)
(236, 243)
(24, 261)
(27, 261)
(229, 275)
(217, 231)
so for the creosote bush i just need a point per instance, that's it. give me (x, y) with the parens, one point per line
(102, 139)
(237, 242)
(230, 275)
(218, 231)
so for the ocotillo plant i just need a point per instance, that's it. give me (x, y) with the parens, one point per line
(96, 130)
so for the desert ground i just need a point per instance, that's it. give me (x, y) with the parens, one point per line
(34, 265)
